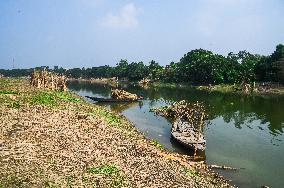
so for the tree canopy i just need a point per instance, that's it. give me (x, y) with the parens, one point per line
(198, 66)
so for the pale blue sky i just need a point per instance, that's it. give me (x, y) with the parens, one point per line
(77, 33)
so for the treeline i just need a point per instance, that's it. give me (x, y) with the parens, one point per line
(196, 67)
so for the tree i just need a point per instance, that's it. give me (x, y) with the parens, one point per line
(155, 70)
(121, 68)
(137, 71)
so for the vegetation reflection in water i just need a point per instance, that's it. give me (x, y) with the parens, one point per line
(240, 109)
(242, 131)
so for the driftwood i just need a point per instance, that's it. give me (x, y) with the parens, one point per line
(48, 80)
(222, 167)
(123, 95)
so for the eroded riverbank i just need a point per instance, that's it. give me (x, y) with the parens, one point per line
(56, 139)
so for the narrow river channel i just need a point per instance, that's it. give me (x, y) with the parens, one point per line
(242, 131)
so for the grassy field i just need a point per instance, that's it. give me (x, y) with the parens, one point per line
(57, 139)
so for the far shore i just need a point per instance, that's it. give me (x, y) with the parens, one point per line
(260, 89)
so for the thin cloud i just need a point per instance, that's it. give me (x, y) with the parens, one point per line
(127, 17)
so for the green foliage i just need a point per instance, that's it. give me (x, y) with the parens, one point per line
(189, 172)
(121, 69)
(50, 184)
(196, 67)
(109, 170)
(105, 169)
(268, 67)
(14, 104)
(14, 181)
(110, 117)
(155, 70)
(154, 142)
(136, 71)
(51, 98)
(68, 97)
(43, 98)
(8, 92)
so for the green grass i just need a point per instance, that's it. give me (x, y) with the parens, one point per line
(111, 118)
(14, 104)
(105, 169)
(189, 172)
(14, 181)
(9, 102)
(68, 97)
(109, 170)
(154, 142)
(50, 184)
(51, 98)
(43, 98)
(8, 92)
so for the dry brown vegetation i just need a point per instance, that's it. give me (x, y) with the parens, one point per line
(48, 80)
(193, 113)
(56, 139)
(121, 94)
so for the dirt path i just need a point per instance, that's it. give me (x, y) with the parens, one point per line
(51, 139)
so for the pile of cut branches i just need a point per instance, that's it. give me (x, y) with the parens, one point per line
(193, 113)
(48, 80)
(121, 94)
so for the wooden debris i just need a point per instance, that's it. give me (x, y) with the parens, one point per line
(222, 167)
(48, 80)
(193, 113)
(121, 94)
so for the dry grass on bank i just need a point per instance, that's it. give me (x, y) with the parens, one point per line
(56, 139)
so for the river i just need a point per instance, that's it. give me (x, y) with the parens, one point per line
(242, 131)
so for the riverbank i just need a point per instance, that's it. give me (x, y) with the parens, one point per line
(258, 90)
(57, 139)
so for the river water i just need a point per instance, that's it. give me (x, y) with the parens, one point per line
(242, 131)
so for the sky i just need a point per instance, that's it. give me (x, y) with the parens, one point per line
(88, 33)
